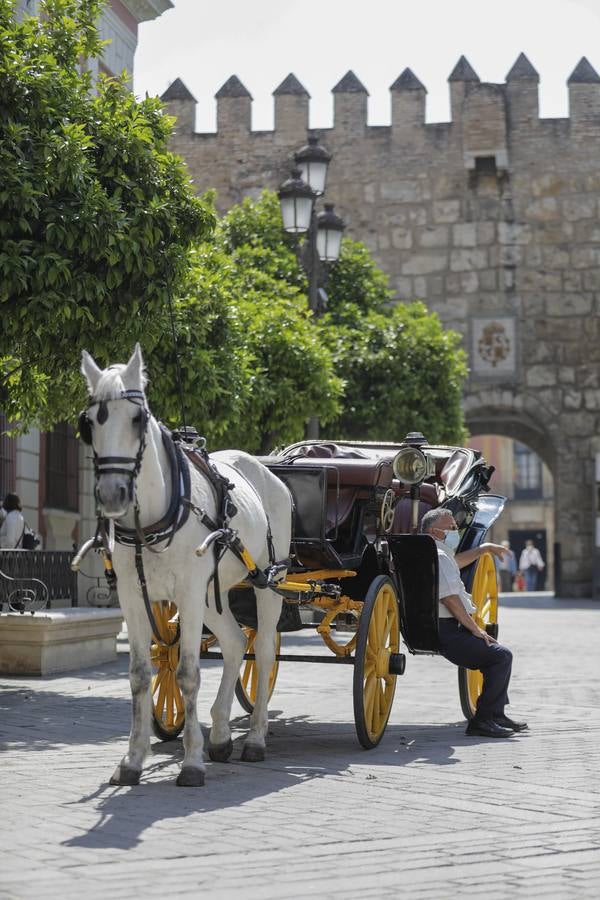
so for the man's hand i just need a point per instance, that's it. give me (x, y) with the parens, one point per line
(495, 549)
(481, 633)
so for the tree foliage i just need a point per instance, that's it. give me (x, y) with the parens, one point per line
(402, 371)
(253, 365)
(96, 216)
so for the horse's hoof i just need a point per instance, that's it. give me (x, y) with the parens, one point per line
(253, 753)
(125, 775)
(190, 776)
(220, 752)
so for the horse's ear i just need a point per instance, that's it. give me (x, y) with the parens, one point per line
(90, 371)
(134, 375)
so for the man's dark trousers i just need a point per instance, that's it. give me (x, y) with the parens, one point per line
(494, 661)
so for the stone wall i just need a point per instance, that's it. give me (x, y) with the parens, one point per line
(491, 218)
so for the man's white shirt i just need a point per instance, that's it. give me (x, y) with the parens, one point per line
(450, 582)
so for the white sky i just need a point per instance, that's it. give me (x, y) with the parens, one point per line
(261, 41)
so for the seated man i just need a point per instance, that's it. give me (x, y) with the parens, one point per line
(462, 641)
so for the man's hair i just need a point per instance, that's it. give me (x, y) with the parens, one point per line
(430, 518)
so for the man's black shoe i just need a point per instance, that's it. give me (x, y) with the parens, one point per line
(487, 728)
(505, 722)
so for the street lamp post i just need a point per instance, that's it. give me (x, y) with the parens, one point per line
(322, 230)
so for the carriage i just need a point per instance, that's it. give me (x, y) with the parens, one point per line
(359, 573)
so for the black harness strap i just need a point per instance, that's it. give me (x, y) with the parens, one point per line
(139, 565)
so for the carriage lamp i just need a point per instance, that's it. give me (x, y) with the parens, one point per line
(313, 162)
(296, 198)
(329, 234)
(410, 465)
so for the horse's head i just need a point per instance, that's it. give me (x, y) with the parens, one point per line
(115, 424)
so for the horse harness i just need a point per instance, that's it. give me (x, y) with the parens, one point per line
(179, 452)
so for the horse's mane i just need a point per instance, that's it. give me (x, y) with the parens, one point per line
(110, 384)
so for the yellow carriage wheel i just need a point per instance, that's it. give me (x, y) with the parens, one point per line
(247, 683)
(485, 601)
(168, 712)
(377, 638)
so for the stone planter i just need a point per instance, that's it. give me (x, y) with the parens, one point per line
(58, 640)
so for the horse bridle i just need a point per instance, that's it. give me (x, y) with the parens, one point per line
(117, 465)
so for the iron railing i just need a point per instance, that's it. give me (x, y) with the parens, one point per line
(30, 579)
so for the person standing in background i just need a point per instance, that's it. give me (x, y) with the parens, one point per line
(506, 568)
(531, 564)
(13, 526)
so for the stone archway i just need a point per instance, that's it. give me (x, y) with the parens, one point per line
(522, 417)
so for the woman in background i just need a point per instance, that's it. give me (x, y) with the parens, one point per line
(13, 525)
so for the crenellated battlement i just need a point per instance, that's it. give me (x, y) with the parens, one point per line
(471, 100)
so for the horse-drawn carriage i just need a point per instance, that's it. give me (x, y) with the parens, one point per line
(360, 567)
(330, 527)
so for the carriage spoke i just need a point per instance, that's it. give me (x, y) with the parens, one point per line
(369, 694)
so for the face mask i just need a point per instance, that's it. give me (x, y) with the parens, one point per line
(452, 540)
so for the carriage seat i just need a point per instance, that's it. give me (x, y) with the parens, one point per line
(349, 480)
(431, 496)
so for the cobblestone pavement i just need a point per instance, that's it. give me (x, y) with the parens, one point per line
(428, 814)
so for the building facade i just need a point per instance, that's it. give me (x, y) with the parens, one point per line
(491, 219)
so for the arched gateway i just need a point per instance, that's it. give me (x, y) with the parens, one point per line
(491, 218)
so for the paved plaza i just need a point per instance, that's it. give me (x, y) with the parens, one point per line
(430, 813)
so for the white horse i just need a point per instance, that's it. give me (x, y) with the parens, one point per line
(131, 462)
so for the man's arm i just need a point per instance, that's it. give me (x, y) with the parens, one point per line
(468, 556)
(454, 606)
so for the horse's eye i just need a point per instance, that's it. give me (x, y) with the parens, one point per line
(137, 419)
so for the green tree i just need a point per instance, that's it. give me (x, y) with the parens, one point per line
(253, 365)
(402, 371)
(96, 216)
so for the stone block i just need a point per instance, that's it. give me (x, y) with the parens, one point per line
(566, 375)
(402, 238)
(507, 255)
(569, 305)
(545, 209)
(417, 215)
(404, 287)
(531, 280)
(556, 233)
(548, 185)
(585, 257)
(436, 285)
(420, 286)
(488, 279)
(57, 640)
(467, 260)
(446, 211)
(541, 376)
(582, 207)
(370, 193)
(592, 399)
(486, 233)
(513, 233)
(464, 234)
(424, 264)
(555, 258)
(456, 308)
(573, 281)
(469, 283)
(572, 399)
(404, 191)
(590, 279)
(434, 236)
